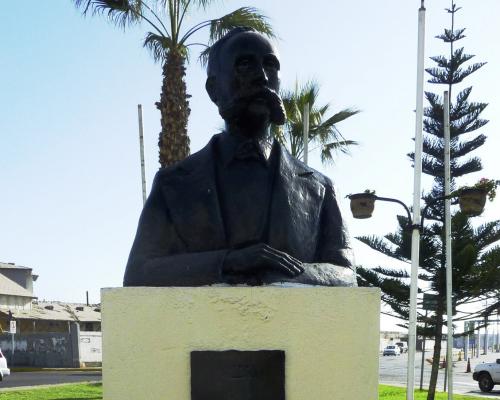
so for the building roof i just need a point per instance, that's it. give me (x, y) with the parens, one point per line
(58, 311)
(10, 288)
(11, 265)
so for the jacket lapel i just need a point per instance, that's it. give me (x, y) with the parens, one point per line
(295, 208)
(192, 201)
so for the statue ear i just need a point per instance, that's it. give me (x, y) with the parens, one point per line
(211, 89)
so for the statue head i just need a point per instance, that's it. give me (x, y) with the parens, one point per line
(243, 81)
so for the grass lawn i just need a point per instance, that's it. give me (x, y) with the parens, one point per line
(94, 392)
(399, 393)
(63, 392)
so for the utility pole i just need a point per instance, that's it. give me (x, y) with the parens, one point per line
(141, 145)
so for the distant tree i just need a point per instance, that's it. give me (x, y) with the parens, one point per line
(475, 257)
(323, 132)
(170, 42)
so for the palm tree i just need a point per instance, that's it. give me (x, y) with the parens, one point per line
(323, 132)
(170, 42)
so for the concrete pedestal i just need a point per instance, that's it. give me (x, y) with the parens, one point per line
(330, 337)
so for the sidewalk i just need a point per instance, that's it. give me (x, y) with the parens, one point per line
(488, 358)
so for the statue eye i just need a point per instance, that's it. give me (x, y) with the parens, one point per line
(272, 62)
(243, 62)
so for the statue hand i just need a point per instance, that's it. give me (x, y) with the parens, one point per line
(261, 257)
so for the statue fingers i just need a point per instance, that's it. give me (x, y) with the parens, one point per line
(297, 264)
(282, 265)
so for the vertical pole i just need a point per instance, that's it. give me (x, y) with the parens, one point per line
(478, 340)
(141, 144)
(445, 375)
(449, 266)
(486, 334)
(423, 354)
(87, 295)
(305, 120)
(473, 344)
(496, 336)
(498, 332)
(415, 239)
(12, 353)
(466, 341)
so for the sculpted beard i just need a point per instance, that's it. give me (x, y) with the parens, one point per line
(239, 109)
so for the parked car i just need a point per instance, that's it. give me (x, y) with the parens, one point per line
(487, 375)
(402, 346)
(392, 350)
(4, 371)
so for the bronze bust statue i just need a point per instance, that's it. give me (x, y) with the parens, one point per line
(242, 210)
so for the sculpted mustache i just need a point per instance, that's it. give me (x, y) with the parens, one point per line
(265, 93)
(241, 102)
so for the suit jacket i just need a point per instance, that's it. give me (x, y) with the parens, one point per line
(180, 239)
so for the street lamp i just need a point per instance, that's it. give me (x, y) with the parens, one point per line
(362, 207)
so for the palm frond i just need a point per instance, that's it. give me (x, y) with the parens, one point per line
(328, 150)
(203, 57)
(340, 116)
(242, 17)
(322, 132)
(158, 45)
(121, 12)
(277, 133)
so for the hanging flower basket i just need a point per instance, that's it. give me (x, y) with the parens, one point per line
(473, 198)
(362, 204)
(472, 201)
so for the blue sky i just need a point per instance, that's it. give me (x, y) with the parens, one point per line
(69, 89)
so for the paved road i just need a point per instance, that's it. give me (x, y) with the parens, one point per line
(393, 372)
(17, 379)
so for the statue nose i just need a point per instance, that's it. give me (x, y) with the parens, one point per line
(261, 77)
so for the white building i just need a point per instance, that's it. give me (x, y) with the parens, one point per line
(16, 286)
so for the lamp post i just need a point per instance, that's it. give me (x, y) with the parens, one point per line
(417, 175)
(363, 205)
(448, 261)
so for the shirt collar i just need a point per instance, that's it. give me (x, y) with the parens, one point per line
(228, 146)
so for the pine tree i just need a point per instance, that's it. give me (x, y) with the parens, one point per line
(475, 257)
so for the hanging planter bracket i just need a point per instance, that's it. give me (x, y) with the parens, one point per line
(410, 225)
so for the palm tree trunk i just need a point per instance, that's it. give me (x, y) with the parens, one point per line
(437, 352)
(174, 109)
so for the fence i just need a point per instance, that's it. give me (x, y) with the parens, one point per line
(48, 350)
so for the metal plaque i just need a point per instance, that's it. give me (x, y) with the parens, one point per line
(238, 375)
